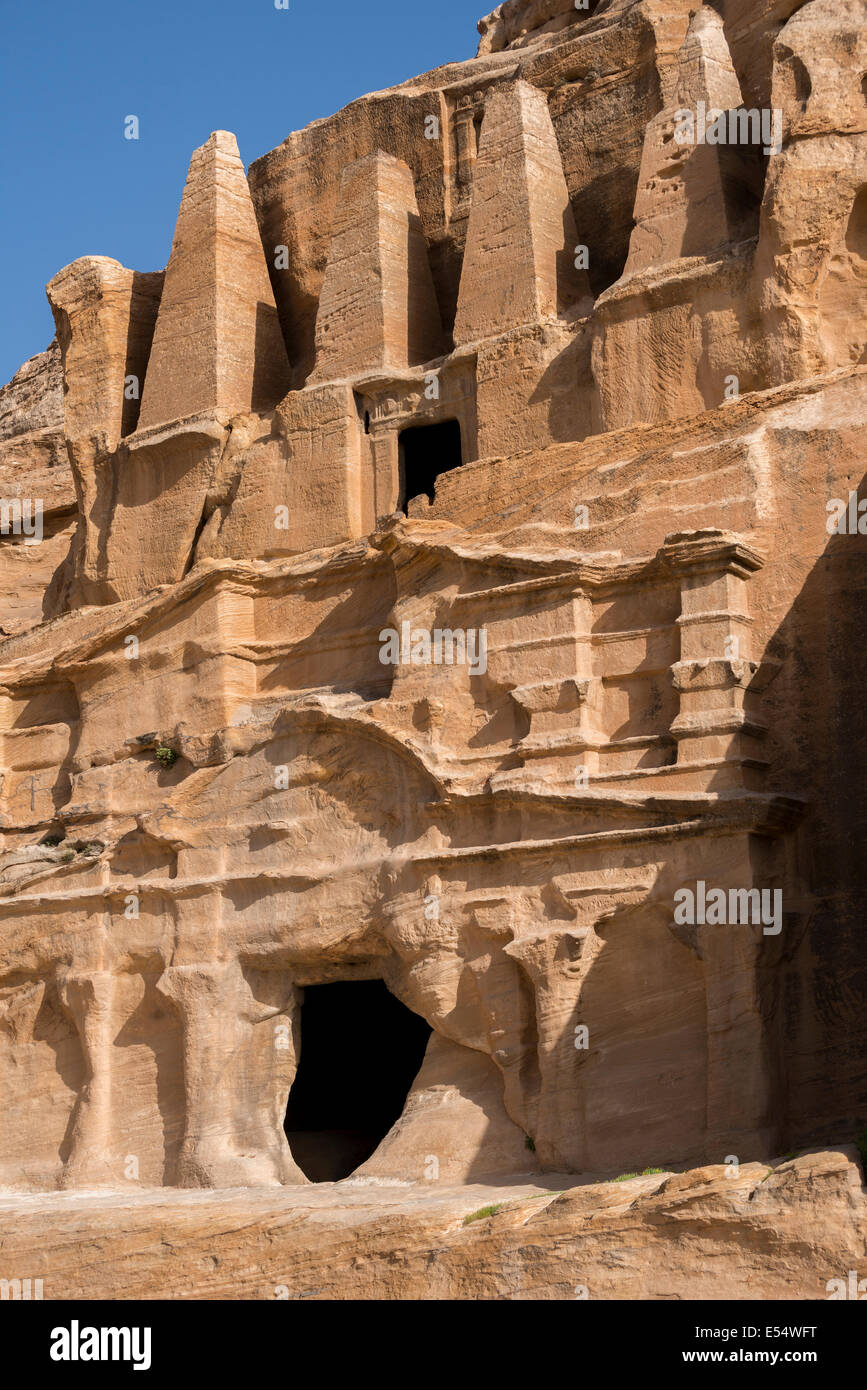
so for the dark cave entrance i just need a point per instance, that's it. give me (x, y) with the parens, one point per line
(361, 1050)
(426, 451)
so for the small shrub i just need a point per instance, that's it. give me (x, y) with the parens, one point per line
(165, 755)
(529, 1143)
(651, 1172)
(624, 1177)
(68, 855)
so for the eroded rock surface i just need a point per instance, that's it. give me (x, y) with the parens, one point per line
(791, 1231)
(522, 610)
(37, 496)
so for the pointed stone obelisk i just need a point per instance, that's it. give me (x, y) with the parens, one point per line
(693, 195)
(378, 308)
(519, 261)
(217, 345)
(704, 64)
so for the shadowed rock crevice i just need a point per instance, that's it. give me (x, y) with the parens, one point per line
(425, 453)
(360, 1050)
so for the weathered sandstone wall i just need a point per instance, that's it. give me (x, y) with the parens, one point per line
(491, 360)
(34, 468)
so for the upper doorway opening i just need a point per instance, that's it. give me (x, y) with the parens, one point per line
(426, 451)
(360, 1052)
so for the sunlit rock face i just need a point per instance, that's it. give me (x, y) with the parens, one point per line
(450, 585)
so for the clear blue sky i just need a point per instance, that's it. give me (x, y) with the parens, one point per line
(71, 70)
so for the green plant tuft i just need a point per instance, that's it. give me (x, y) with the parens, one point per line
(482, 1213)
(529, 1143)
(166, 755)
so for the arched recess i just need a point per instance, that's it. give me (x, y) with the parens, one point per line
(360, 1052)
(310, 849)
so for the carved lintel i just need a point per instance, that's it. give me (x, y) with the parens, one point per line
(554, 697)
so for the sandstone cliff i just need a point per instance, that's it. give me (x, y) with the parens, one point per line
(449, 601)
